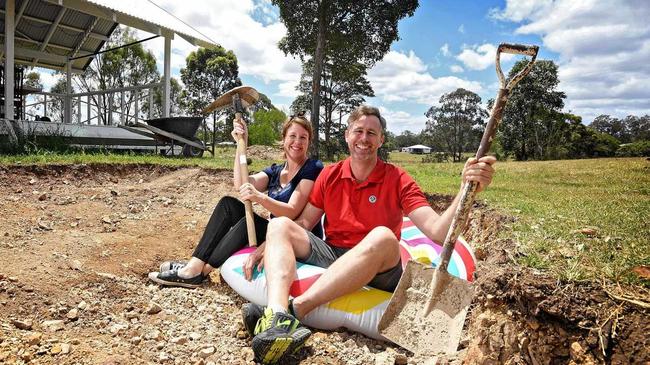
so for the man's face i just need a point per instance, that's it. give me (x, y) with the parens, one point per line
(364, 137)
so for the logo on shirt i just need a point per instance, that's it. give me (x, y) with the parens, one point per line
(372, 199)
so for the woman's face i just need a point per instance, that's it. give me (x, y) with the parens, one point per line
(296, 142)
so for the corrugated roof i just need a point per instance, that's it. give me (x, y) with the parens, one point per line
(48, 32)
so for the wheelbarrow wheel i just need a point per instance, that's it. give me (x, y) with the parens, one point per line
(191, 151)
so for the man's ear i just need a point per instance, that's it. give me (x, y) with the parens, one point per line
(346, 134)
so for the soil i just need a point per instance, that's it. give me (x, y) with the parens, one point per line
(77, 241)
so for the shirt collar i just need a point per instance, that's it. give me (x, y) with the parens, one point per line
(377, 174)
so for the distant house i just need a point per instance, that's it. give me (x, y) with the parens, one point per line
(417, 149)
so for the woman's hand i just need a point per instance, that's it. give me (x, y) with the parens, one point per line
(253, 260)
(239, 129)
(480, 171)
(248, 192)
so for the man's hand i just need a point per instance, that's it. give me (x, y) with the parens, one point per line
(480, 171)
(254, 259)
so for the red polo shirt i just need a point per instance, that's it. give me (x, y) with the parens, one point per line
(353, 209)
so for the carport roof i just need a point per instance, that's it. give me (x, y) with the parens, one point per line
(49, 32)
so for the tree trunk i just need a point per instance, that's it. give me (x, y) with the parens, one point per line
(318, 68)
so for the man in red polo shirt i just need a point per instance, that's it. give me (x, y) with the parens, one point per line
(363, 199)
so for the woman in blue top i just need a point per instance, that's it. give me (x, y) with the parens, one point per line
(288, 186)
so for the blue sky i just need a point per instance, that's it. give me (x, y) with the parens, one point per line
(602, 48)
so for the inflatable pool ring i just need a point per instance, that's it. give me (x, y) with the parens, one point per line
(359, 311)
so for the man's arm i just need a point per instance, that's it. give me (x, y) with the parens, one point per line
(436, 226)
(309, 216)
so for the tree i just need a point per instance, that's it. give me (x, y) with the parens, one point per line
(344, 88)
(530, 119)
(119, 68)
(56, 108)
(208, 74)
(455, 124)
(266, 127)
(364, 30)
(175, 101)
(406, 139)
(637, 128)
(612, 126)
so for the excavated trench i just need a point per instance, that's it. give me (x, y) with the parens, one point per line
(521, 316)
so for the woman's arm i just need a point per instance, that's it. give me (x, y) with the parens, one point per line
(291, 209)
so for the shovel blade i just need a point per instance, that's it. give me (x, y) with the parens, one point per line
(406, 321)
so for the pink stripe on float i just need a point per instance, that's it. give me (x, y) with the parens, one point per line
(244, 251)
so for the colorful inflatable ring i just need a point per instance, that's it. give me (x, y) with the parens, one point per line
(359, 311)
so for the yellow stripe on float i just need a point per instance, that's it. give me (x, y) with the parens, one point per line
(360, 301)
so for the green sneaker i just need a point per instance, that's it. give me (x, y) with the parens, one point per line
(251, 313)
(277, 335)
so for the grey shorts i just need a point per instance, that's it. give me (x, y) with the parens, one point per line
(323, 255)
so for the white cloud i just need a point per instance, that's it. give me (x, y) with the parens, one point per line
(480, 57)
(456, 68)
(404, 77)
(233, 26)
(461, 28)
(603, 47)
(397, 121)
(445, 50)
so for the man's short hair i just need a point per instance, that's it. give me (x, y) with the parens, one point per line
(362, 110)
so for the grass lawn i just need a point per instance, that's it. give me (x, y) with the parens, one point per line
(553, 201)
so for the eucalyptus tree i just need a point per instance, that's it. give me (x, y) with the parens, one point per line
(364, 30)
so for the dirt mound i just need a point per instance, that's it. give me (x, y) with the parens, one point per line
(521, 316)
(76, 243)
(259, 152)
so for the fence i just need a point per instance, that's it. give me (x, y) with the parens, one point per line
(121, 106)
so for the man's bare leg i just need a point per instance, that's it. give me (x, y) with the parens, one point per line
(376, 253)
(284, 241)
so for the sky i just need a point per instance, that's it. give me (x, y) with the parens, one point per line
(602, 48)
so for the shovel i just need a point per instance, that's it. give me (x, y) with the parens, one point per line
(427, 311)
(239, 98)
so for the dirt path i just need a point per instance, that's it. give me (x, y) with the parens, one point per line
(77, 241)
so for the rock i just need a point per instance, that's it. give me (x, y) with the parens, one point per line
(43, 226)
(153, 308)
(206, 352)
(401, 359)
(135, 340)
(82, 305)
(153, 335)
(163, 356)
(32, 181)
(75, 265)
(179, 340)
(195, 336)
(588, 231)
(34, 338)
(117, 328)
(42, 197)
(27, 356)
(56, 349)
(23, 325)
(65, 348)
(384, 358)
(242, 335)
(107, 220)
(73, 314)
(54, 325)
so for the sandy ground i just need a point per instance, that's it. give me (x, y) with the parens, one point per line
(76, 243)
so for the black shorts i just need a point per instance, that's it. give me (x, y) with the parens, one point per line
(323, 255)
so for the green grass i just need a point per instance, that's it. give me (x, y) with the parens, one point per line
(223, 159)
(551, 200)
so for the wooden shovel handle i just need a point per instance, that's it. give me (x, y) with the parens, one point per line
(461, 215)
(243, 171)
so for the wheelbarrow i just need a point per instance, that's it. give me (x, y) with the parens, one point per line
(174, 131)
